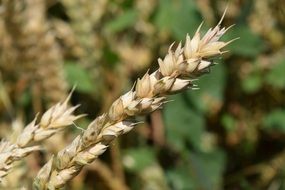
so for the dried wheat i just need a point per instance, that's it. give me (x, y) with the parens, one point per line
(52, 121)
(176, 73)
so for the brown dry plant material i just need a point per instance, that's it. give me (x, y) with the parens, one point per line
(34, 53)
(177, 71)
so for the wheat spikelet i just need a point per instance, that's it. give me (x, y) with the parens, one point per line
(52, 121)
(176, 73)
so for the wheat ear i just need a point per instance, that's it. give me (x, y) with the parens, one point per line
(52, 121)
(176, 73)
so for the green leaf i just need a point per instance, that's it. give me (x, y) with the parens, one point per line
(207, 169)
(182, 123)
(252, 82)
(185, 9)
(276, 76)
(211, 90)
(178, 17)
(180, 178)
(127, 19)
(112, 59)
(164, 14)
(228, 122)
(76, 75)
(275, 120)
(249, 44)
(25, 98)
(137, 159)
(199, 171)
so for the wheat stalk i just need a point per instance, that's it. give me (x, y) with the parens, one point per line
(52, 121)
(176, 73)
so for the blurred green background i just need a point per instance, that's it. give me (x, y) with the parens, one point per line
(229, 134)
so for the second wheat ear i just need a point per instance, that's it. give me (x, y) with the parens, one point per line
(51, 122)
(176, 73)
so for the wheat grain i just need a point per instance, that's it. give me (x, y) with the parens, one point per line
(176, 73)
(52, 121)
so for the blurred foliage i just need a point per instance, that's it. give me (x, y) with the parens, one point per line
(248, 44)
(228, 134)
(76, 75)
(275, 120)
